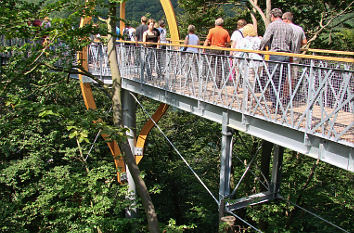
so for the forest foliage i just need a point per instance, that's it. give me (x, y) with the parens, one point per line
(54, 177)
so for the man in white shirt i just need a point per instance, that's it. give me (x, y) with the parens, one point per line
(237, 34)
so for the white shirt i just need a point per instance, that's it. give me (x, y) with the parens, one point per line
(163, 33)
(236, 36)
(192, 40)
(249, 43)
(131, 33)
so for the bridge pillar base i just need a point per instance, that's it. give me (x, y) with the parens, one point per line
(250, 200)
(268, 195)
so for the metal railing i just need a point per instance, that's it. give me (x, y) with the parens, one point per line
(310, 95)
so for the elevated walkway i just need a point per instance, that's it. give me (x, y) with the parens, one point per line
(311, 112)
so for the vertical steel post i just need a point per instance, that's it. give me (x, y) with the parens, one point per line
(267, 148)
(129, 121)
(225, 162)
(310, 99)
(276, 171)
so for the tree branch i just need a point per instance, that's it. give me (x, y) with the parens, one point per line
(79, 71)
(322, 27)
(102, 19)
(259, 10)
(298, 199)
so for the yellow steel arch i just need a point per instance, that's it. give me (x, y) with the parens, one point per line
(140, 142)
(160, 111)
(90, 101)
(171, 19)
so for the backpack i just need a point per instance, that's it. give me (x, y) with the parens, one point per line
(240, 32)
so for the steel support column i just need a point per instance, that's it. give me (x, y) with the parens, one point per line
(129, 121)
(276, 170)
(225, 162)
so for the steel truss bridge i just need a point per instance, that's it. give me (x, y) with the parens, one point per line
(306, 106)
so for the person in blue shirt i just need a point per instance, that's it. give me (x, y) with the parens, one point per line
(118, 32)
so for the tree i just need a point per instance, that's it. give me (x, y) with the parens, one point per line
(50, 179)
(321, 20)
(129, 158)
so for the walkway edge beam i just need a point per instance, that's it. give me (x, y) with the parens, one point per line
(311, 145)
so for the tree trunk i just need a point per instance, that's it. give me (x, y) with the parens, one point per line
(268, 9)
(253, 11)
(256, 8)
(254, 22)
(118, 121)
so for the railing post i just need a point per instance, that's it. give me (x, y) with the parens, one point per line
(245, 76)
(310, 96)
(225, 161)
(167, 65)
(199, 64)
(129, 121)
(141, 55)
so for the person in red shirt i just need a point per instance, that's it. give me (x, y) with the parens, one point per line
(218, 37)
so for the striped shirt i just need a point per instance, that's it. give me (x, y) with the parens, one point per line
(279, 36)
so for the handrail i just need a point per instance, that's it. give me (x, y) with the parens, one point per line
(338, 52)
(305, 56)
(347, 53)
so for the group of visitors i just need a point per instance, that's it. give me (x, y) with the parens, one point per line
(148, 31)
(281, 35)
(41, 25)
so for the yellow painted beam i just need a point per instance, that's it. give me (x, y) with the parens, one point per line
(117, 156)
(87, 94)
(345, 53)
(122, 17)
(83, 60)
(265, 53)
(140, 143)
(171, 19)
